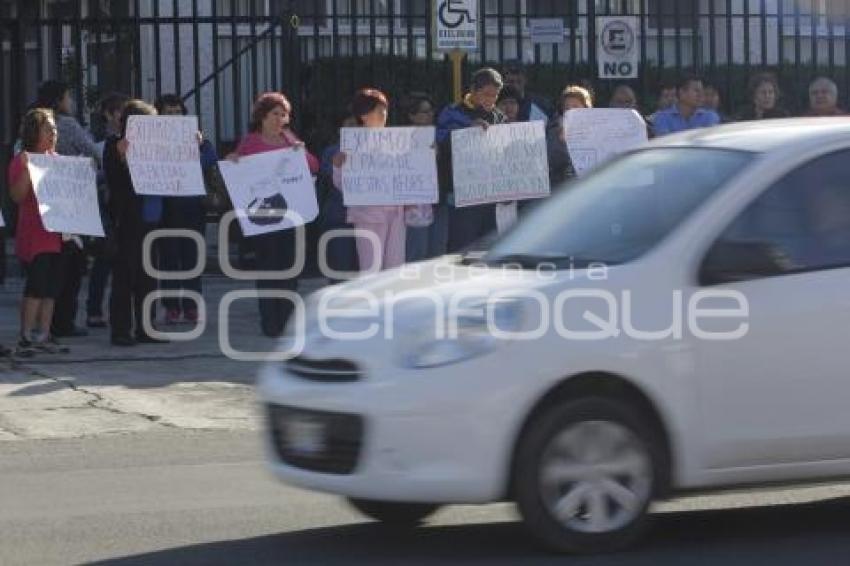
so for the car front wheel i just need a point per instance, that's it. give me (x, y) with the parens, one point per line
(586, 472)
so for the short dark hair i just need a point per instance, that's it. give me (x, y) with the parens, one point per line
(112, 102)
(135, 107)
(686, 81)
(486, 76)
(50, 94)
(410, 104)
(514, 68)
(510, 93)
(761, 78)
(31, 125)
(170, 100)
(365, 100)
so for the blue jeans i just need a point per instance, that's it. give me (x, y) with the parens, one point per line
(98, 278)
(181, 254)
(429, 241)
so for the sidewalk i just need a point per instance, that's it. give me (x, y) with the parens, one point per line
(101, 389)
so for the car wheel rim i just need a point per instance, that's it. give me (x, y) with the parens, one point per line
(595, 477)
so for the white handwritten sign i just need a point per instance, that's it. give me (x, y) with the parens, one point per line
(66, 191)
(595, 135)
(503, 163)
(163, 157)
(271, 191)
(389, 166)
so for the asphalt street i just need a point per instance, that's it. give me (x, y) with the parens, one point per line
(204, 497)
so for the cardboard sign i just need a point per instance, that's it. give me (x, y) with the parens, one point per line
(66, 191)
(389, 166)
(503, 163)
(164, 157)
(271, 191)
(595, 135)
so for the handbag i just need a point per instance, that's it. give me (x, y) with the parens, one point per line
(216, 200)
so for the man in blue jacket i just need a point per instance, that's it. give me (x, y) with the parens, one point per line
(477, 109)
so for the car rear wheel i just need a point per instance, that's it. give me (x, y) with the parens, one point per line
(394, 513)
(586, 472)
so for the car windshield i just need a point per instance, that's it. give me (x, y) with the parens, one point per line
(620, 211)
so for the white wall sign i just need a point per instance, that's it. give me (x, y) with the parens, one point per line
(163, 157)
(595, 135)
(546, 30)
(66, 191)
(389, 166)
(618, 48)
(263, 187)
(502, 163)
(456, 24)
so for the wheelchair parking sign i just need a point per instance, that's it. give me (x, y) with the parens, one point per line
(456, 24)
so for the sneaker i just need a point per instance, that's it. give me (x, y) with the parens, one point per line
(191, 315)
(172, 316)
(50, 346)
(24, 349)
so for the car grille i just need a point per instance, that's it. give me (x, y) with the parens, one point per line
(341, 433)
(331, 371)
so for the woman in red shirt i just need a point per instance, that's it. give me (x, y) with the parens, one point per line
(275, 251)
(38, 249)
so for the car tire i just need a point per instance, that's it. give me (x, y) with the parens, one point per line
(586, 472)
(396, 514)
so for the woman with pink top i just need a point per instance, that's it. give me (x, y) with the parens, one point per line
(369, 108)
(275, 251)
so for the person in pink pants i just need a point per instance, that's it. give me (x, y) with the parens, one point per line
(370, 107)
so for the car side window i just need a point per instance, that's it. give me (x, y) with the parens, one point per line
(802, 222)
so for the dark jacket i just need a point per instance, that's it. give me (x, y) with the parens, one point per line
(560, 164)
(124, 205)
(457, 117)
(529, 103)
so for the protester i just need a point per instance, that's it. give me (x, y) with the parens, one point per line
(427, 225)
(341, 253)
(38, 250)
(478, 108)
(110, 109)
(182, 213)
(666, 99)
(270, 130)
(764, 99)
(711, 101)
(687, 113)
(72, 140)
(370, 108)
(509, 101)
(623, 97)
(531, 107)
(133, 217)
(560, 164)
(823, 98)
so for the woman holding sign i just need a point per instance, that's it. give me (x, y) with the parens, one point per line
(370, 108)
(38, 249)
(269, 131)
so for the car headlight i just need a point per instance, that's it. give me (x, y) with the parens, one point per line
(472, 337)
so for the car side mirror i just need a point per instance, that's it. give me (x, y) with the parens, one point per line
(730, 261)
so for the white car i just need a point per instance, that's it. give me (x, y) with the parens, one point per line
(677, 320)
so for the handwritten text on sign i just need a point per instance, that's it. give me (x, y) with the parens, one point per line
(271, 191)
(503, 163)
(389, 166)
(595, 135)
(66, 191)
(163, 157)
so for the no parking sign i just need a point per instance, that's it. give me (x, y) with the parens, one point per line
(618, 47)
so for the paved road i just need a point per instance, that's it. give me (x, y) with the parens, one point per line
(203, 497)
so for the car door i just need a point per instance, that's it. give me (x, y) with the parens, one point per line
(781, 394)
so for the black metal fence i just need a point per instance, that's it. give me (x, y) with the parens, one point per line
(218, 54)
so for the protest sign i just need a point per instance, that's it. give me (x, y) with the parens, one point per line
(66, 191)
(503, 163)
(595, 135)
(271, 191)
(164, 157)
(389, 166)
